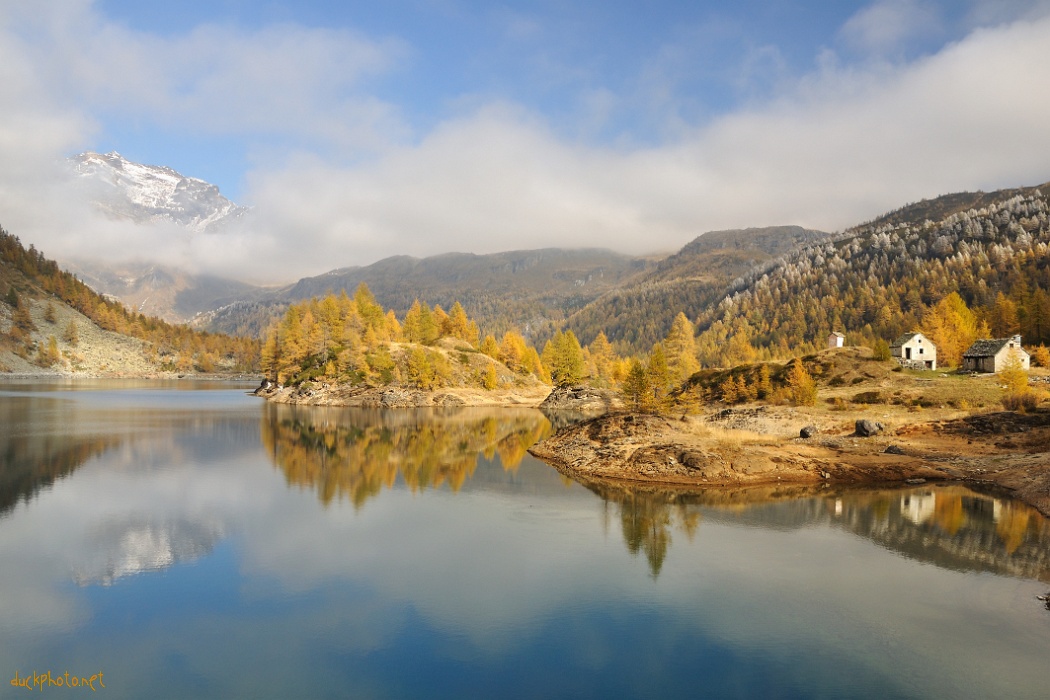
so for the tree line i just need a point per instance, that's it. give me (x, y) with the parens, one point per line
(176, 347)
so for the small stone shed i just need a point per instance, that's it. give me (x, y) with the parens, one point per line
(989, 355)
(836, 340)
(914, 351)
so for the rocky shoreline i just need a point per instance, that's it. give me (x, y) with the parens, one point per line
(324, 394)
(993, 450)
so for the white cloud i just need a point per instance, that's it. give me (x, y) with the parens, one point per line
(849, 144)
(887, 26)
(838, 146)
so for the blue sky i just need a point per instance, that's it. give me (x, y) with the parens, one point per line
(613, 73)
(425, 126)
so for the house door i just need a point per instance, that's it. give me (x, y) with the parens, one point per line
(907, 353)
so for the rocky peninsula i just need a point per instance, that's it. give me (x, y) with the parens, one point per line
(761, 445)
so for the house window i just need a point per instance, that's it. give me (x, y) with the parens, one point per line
(921, 350)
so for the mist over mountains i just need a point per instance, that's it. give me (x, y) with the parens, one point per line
(631, 298)
(152, 193)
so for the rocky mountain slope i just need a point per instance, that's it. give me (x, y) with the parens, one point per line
(164, 291)
(52, 323)
(152, 193)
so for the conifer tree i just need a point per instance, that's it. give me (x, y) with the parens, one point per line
(490, 380)
(512, 351)
(803, 388)
(602, 357)
(442, 322)
(563, 358)
(71, 335)
(370, 310)
(765, 383)
(953, 328)
(729, 391)
(1003, 320)
(680, 348)
(660, 379)
(490, 347)
(635, 388)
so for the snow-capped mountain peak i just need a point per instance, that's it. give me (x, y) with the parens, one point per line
(152, 193)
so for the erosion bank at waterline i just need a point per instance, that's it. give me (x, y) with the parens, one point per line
(323, 394)
(1000, 450)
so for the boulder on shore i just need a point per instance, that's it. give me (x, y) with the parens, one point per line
(585, 399)
(868, 428)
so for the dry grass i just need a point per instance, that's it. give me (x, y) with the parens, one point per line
(730, 437)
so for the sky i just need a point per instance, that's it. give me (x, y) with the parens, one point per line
(356, 131)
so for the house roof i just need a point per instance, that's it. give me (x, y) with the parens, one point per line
(904, 339)
(989, 347)
(838, 335)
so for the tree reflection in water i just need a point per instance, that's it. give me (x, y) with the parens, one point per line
(355, 453)
(949, 525)
(33, 459)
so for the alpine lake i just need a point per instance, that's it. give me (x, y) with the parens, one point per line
(185, 539)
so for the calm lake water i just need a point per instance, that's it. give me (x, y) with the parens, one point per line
(188, 540)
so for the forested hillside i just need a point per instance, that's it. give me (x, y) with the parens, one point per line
(46, 312)
(637, 315)
(980, 265)
(355, 340)
(521, 290)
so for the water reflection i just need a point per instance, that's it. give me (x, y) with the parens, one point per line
(34, 457)
(139, 544)
(949, 526)
(355, 453)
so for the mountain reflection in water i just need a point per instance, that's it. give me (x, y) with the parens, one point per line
(946, 525)
(139, 545)
(355, 453)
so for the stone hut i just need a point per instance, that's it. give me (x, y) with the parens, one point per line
(836, 340)
(914, 351)
(990, 355)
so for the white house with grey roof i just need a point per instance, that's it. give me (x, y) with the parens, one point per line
(989, 355)
(914, 351)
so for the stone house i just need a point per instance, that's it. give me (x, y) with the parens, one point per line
(836, 340)
(914, 351)
(990, 355)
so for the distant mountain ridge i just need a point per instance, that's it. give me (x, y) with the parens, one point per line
(526, 289)
(639, 314)
(152, 193)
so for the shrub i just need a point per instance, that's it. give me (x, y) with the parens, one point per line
(1017, 396)
(1020, 402)
(1041, 356)
(868, 397)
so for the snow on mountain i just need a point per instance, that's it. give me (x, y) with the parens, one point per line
(152, 193)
